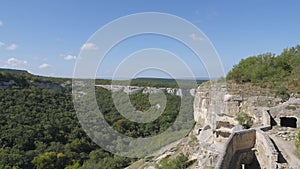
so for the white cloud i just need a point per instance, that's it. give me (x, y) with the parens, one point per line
(12, 47)
(15, 62)
(89, 46)
(70, 57)
(194, 37)
(1, 23)
(44, 65)
(1, 44)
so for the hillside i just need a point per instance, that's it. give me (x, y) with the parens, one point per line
(13, 70)
(280, 73)
(39, 127)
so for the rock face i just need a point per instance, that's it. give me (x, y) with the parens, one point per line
(52, 86)
(216, 129)
(135, 89)
(216, 101)
(287, 110)
(5, 85)
(208, 103)
(47, 85)
(217, 108)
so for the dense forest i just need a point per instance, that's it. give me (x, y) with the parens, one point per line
(278, 72)
(39, 127)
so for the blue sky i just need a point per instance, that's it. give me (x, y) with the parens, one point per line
(45, 37)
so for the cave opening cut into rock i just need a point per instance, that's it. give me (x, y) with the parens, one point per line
(288, 122)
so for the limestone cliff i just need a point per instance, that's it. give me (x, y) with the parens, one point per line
(215, 109)
(135, 89)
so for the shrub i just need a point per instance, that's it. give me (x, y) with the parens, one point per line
(180, 162)
(244, 119)
(298, 140)
(282, 92)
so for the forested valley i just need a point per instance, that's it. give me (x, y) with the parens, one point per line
(39, 127)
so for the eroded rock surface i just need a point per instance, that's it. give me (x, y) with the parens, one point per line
(215, 110)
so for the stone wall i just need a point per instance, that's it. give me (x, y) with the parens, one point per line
(266, 152)
(239, 150)
(238, 143)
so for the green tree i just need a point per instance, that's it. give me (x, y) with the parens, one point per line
(50, 160)
(269, 70)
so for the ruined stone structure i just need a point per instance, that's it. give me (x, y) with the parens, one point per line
(238, 150)
(252, 148)
(267, 154)
(218, 141)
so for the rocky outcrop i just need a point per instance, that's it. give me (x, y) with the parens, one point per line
(145, 90)
(25, 83)
(217, 108)
(218, 141)
(288, 109)
(5, 85)
(49, 85)
(216, 101)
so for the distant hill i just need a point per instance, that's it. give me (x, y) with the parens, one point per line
(153, 82)
(165, 80)
(13, 70)
(13, 74)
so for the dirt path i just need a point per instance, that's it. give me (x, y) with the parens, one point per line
(288, 149)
